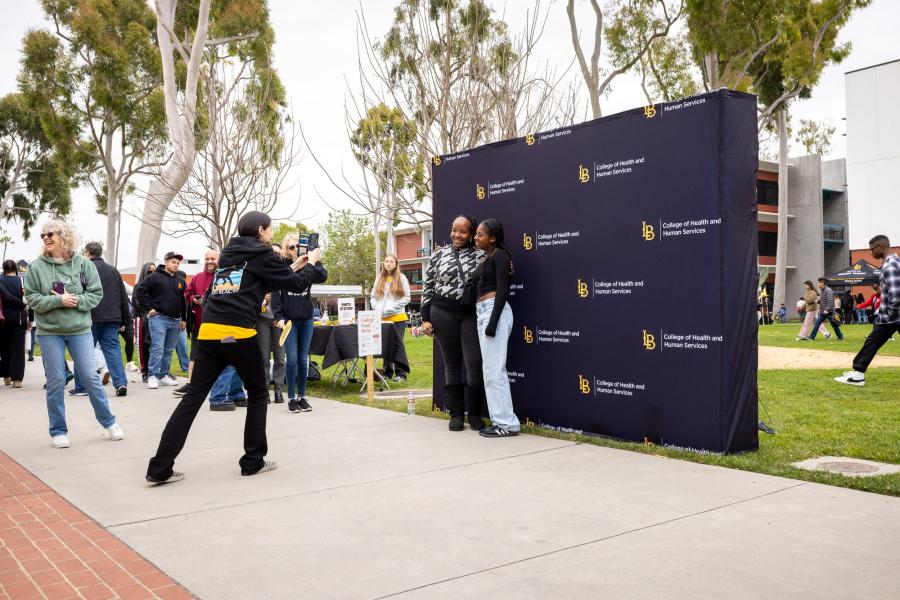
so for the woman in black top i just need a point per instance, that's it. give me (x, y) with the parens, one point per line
(452, 322)
(248, 270)
(15, 325)
(495, 321)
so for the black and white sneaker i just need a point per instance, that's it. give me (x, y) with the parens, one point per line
(180, 391)
(74, 392)
(852, 378)
(121, 391)
(495, 431)
(174, 477)
(304, 405)
(293, 405)
(268, 465)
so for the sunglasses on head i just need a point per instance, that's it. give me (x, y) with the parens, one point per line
(49, 234)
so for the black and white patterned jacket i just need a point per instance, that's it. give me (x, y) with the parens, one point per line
(446, 276)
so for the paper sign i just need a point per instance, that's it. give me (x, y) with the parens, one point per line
(368, 332)
(346, 311)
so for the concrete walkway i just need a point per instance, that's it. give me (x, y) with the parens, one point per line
(373, 504)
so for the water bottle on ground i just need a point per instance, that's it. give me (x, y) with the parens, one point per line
(410, 403)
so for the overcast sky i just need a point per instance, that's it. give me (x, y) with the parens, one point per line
(316, 56)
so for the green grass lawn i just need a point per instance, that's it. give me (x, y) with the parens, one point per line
(813, 415)
(784, 336)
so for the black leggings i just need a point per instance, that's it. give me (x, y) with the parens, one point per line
(457, 335)
(12, 350)
(212, 358)
(128, 336)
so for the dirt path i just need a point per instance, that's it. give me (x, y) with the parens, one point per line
(771, 357)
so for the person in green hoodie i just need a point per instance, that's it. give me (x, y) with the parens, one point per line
(62, 287)
(248, 270)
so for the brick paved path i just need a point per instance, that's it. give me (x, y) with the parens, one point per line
(50, 549)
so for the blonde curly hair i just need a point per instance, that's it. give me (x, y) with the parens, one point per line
(69, 239)
(288, 240)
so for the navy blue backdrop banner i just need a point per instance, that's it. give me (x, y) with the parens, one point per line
(634, 296)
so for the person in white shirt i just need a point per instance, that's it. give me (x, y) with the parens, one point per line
(390, 296)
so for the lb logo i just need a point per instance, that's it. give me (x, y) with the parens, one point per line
(529, 336)
(529, 139)
(479, 191)
(436, 160)
(582, 289)
(584, 385)
(583, 175)
(527, 242)
(650, 111)
(649, 341)
(647, 231)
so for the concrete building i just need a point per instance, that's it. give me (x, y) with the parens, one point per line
(414, 245)
(817, 221)
(873, 152)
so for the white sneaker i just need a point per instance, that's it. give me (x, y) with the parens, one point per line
(168, 380)
(152, 383)
(827, 336)
(852, 378)
(115, 432)
(130, 366)
(61, 441)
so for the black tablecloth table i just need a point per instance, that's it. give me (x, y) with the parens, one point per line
(340, 342)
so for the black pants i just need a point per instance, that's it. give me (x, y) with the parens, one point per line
(881, 333)
(128, 337)
(457, 335)
(12, 350)
(143, 343)
(212, 358)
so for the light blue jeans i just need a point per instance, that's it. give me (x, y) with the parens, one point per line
(53, 354)
(493, 365)
(181, 349)
(164, 332)
(227, 388)
(107, 336)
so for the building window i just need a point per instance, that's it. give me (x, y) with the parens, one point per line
(414, 276)
(768, 243)
(767, 192)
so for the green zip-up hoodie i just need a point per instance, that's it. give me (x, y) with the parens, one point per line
(80, 277)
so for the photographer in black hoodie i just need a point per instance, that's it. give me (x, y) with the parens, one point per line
(248, 269)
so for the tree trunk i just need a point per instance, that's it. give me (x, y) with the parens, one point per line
(711, 67)
(112, 221)
(782, 241)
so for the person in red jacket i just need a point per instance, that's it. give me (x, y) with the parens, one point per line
(193, 295)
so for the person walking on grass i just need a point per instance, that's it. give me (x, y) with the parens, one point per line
(162, 295)
(811, 298)
(826, 311)
(887, 318)
(62, 287)
(248, 269)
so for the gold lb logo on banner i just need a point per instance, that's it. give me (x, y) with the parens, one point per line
(584, 385)
(647, 231)
(436, 160)
(479, 191)
(528, 335)
(529, 139)
(527, 242)
(583, 174)
(582, 289)
(650, 111)
(649, 341)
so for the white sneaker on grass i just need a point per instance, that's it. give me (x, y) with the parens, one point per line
(152, 383)
(61, 441)
(131, 366)
(168, 380)
(115, 432)
(852, 378)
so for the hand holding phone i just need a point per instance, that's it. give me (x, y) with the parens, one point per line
(58, 287)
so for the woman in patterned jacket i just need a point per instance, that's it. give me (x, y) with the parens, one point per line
(452, 321)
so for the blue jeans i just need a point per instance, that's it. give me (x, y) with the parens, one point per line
(164, 332)
(107, 336)
(227, 388)
(181, 349)
(296, 356)
(53, 354)
(493, 365)
(834, 324)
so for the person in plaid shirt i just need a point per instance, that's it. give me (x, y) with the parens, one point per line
(887, 319)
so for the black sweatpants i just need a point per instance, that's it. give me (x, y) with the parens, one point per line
(457, 335)
(212, 358)
(128, 337)
(12, 350)
(881, 333)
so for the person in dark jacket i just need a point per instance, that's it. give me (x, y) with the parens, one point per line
(162, 295)
(15, 326)
(296, 307)
(248, 270)
(108, 318)
(826, 310)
